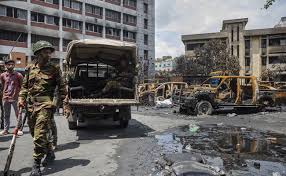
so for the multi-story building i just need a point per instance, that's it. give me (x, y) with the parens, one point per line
(256, 49)
(60, 21)
(165, 64)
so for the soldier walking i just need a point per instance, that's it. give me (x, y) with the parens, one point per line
(39, 85)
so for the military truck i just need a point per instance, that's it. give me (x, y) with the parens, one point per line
(101, 77)
(225, 92)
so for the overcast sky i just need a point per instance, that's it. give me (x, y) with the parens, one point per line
(177, 17)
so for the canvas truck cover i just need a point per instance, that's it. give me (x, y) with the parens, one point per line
(100, 50)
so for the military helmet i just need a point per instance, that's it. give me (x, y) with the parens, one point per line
(42, 45)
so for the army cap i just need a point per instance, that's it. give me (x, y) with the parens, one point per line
(42, 45)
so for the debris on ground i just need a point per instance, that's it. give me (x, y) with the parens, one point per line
(231, 115)
(219, 149)
(164, 104)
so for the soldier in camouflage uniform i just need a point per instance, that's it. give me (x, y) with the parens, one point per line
(39, 84)
(124, 78)
(2, 70)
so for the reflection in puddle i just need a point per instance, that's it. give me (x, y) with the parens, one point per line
(235, 149)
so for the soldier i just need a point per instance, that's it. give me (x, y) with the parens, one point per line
(40, 83)
(123, 78)
(2, 70)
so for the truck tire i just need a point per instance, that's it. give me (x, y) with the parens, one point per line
(72, 125)
(123, 123)
(204, 108)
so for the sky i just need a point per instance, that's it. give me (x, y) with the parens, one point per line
(174, 18)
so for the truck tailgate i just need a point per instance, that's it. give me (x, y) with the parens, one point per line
(107, 102)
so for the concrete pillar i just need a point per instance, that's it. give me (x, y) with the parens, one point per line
(83, 19)
(104, 23)
(61, 33)
(256, 58)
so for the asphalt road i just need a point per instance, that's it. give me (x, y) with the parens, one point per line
(104, 149)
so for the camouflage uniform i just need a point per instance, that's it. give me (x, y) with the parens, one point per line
(40, 89)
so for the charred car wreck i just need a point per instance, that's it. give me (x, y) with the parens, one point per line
(237, 92)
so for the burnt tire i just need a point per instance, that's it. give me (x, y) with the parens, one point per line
(266, 102)
(204, 108)
(72, 125)
(123, 123)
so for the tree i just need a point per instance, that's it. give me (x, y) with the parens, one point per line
(268, 3)
(273, 74)
(212, 56)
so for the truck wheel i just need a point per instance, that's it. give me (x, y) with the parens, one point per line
(72, 125)
(204, 108)
(124, 123)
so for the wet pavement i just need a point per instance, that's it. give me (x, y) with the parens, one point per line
(226, 149)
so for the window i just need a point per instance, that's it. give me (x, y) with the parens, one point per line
(52, 20)
(129, 35)
(93, 28)
(72, 24)
(237, 32)
(237, 50)
(145, 39)
(113, 32)
(192, 46)
(231, 50)
(232, 35)
(37, 17)
(52, 1)
(72, 4)
(264, 60)
(127, 19)
(13, 36)
(130, 3)
(145, 23)
(54, 41)
(247, 44)
(113, 15)
(274, 42)
(145, 8)
(13, 12)
(93, 9)
(247, 61)
(146, 55)
(263, 43)
(277, 60)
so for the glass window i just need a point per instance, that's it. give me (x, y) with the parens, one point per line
(76, 5)
(263, 43)
(145, 8)
(21, 14)
(67, 3)
(34, 16)
(2, 11)
(50, 20)
(50, 1)
(10, 12)
(41, 18)
(88, 8)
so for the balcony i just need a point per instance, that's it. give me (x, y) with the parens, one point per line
(116, 2)
(277, 49)
(13, 20)
(13, 43)
(46, 26)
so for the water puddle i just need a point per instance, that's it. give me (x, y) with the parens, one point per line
(238, 150)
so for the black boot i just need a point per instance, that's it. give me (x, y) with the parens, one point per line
(49, 158)
(36, 170)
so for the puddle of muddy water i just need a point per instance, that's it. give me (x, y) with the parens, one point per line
(230, 148)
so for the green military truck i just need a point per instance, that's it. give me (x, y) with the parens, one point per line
(101, 77)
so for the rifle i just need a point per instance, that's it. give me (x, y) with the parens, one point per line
(13, 142)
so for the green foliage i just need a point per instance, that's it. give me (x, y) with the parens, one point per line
(213, 56)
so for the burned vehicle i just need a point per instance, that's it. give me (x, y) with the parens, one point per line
(101, 76)
(220, 92)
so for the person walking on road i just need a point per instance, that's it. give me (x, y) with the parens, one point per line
(39, 86)
(11, 84)
(2, 70)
